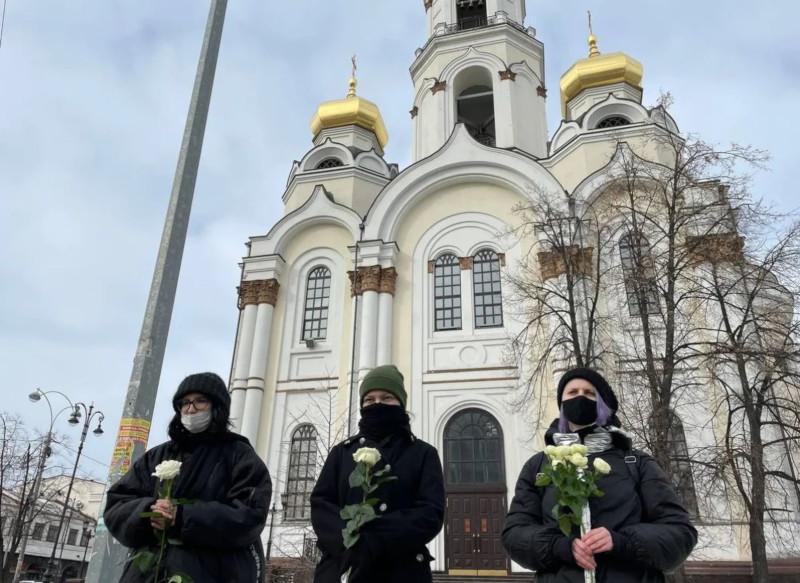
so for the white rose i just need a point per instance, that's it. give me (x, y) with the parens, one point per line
(367, 455)
(578, 460)
(168, 470)
(578, 448)
(555, 463)
(551, 451)
(601, 466)
(563, 451)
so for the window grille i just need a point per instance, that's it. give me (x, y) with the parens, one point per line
(488, 298)
(447, 293)
(681, 464)
(329, 163)
(613, 121)
(637, 270)
(302, 473)
(318, 295)
(473, 449)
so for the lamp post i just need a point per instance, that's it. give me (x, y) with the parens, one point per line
(35, 396)
(88, 413)
(88, 531)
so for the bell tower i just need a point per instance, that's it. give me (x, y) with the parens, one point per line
(481, 66)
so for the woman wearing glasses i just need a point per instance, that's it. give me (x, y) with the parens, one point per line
(224, 487)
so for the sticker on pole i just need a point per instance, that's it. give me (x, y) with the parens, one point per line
(133, 432)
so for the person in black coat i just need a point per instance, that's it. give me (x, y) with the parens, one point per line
(227, 484)
(640, 529)
(391, 548)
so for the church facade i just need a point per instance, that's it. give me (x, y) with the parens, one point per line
(371, 264)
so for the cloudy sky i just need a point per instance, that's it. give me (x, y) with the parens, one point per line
(93, 99)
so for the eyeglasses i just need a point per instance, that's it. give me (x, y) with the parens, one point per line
(200, 404)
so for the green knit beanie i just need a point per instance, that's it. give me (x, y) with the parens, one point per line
(387, 378)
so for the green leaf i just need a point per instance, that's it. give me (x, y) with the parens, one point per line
(175, 542)
(184, 501)
(349, 538)
(543, 480)
(144, 561)
(150, 515)
(357, 477)
(565, 524)
(349, 511)
(372, 501)
(555, 512)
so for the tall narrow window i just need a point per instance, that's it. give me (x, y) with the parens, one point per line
(637, 269)
(318, 295)
(447, 292)
(681, 464)
(302, 473)
(475, 108)
(471, 13)
(488, 298)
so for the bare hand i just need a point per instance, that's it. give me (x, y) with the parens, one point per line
(598, 540)
(583, 555)
(166, 508)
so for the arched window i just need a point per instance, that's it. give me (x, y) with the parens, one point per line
(475, 109)
(473, 445)
(637, 269)
(329, 163)
(488, 298)
(318, 295)
(681, 464)
(302, 473)
(470, 13)
(447, 293)
(613, 121)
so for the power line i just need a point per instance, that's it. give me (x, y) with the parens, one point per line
(3, 22)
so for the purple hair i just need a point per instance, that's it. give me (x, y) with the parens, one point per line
(604, 414)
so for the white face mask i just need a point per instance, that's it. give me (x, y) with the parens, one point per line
(198, 422)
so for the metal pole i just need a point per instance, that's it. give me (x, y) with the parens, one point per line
(87, 532)
(107, 562)
(269, 536)
(50, 563)
(64, 542)
(37, 482)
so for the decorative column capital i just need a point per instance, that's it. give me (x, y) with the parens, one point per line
(465, 263)
(370, 278)
(388, 280)
(553, 263)
(715, 248)
(428, 4)
(438, 86)
(414, 111)
(507, 75)
(258, 291)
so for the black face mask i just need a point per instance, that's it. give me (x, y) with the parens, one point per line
(379, 420)
(580, 410)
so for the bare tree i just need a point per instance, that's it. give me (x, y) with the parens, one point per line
(555, 290)
(753, 356)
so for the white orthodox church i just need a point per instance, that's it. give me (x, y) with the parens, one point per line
(372, 264)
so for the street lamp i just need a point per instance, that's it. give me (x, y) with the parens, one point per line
(88, 531)
(79, 410)
(37, 396)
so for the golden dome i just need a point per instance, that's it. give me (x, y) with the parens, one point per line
(597, 70)
(352, 110)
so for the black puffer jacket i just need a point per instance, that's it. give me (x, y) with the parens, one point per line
(220, 529)
(650, 528)
(391, 549)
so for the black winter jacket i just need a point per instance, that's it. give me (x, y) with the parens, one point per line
(650, 528)
(391, 548)
(220, 529)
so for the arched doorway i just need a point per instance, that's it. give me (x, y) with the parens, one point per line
(474, 470)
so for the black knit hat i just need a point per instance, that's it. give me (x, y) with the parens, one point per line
(205, 383)
(594, 377)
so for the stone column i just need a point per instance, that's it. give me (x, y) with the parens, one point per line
(266, 298)
(248, 300)
(370, 285)
(385, 315)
